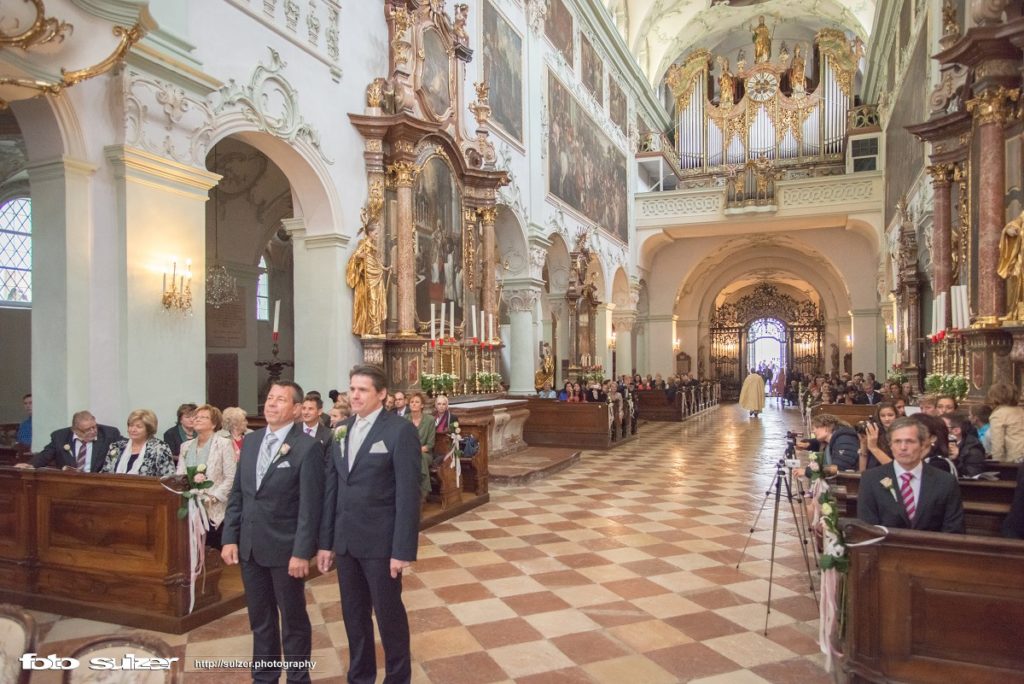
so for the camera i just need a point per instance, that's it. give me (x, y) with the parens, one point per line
(862, 427)
(791, 438)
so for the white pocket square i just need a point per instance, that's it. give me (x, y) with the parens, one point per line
(379, 448)
(286, 464)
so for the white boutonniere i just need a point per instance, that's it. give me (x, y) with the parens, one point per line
(201, 468)
(887, 483)
(340, 434)
(67, 448)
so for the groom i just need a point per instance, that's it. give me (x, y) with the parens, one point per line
(370, 525)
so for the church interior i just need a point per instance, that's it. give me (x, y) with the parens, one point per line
(634, 258)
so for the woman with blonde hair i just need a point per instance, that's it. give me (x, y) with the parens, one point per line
(1006, 424)
(340, 411)
(141, 453)
(216, 453)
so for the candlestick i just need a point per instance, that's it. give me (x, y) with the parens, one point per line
(483, 328)
(491, 326)
(444, 307)
(277, 316)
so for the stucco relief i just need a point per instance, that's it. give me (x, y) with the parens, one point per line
(510, 195)
(705, 204)
(164, 119)
(270, 102)
(536, 13)
(829, 193)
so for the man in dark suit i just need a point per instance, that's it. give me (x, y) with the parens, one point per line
(83, 446)
(905, 493)
(401, 404)
(869, 395)
(312, 407)
(370, 525)
(271, 526)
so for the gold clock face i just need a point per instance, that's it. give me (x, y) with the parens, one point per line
(762, 86)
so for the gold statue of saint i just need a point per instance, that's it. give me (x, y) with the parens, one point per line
(366, 276)
(797, 72)
(726, 85)
(547, 369)
(1011, 268)
(762, 42)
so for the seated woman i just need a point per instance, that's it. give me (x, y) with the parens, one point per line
(442, 416)
(140, 453)
(965, 449)
(938, 443)
(181, 431)
(875, 449)
(217, 453)
(236, 427)
(578, 395)
(566, 392)
(900, 405)
(427, 430)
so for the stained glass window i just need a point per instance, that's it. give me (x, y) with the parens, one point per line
(263, 293)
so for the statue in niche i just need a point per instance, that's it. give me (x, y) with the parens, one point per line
(366, 275)
(1011, 268)
(798, 71)
(726, 84)
(741, 61)
(461, 18)
(762, 42)
(547, 369)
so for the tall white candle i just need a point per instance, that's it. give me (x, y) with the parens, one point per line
(491, 326)
(277, 315)
(483, 328)
(451, 319)
(433, 324)
(444, 307)
(472, 317)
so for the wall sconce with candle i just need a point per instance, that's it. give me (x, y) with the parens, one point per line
(611, 342)
(849, 341)
(178, 293)
(676, 346)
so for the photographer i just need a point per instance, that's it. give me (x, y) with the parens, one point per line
(965, 449)
(837, 439)
(874, 436)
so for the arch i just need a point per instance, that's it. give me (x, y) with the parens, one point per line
(620, 289)
(557, 262)
(511, 244)
(50, 127)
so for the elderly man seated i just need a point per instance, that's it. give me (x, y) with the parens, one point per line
(83, 446)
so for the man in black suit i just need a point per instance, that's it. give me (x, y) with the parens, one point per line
(370, 525)
(312, 407)
(869, 395)
(905, 493)
(271, 526)
(401, 404)
(83, 446)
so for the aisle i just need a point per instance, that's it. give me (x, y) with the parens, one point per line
(620, 569)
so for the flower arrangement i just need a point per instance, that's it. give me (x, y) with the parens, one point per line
(197, 481)
(455, 432)
(946, 383)
(896, 374)
(489, 382)
(438, 383)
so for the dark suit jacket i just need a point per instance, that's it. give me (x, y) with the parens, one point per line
(322, 435)
(939, 508)
(173, 440)
(374, 510)
(281, 519)
(54, 455)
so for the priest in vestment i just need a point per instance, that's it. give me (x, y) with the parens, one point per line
(752, 393)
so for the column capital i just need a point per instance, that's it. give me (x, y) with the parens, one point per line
(522, 294)
(404, 173)
(624, 320)
(991, 106)
(941, 173)
(488, 215)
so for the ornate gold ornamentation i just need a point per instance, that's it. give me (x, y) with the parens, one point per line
(488, 215)
(42, 30)
(762, 38)
(844, 56)
(375, 92)
(461, 18)
(961, 233)
(469, 218)
(1011, 268)
(991, 106)
(682, 78)
(940, 173)
(400, 22)
(481, 109)
(950, 23)
(127, 37)
(374, 145)
(404, 173)
(371, 211)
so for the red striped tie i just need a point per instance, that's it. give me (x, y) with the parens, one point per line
(82, 452)
(908, 495)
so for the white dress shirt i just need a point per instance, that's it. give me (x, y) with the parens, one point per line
(360, 428)
(915, 482)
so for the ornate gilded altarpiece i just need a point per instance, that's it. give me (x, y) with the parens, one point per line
(432, 194)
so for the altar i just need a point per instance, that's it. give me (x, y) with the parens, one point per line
(503, 419)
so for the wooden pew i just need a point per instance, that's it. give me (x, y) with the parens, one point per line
(931, 607)
(561, 424)
(18, 453)
(102, 547)
(849, 413)
(986, 504)
(443, 481)
(475, 469)
(655, 405)
(1007, 471)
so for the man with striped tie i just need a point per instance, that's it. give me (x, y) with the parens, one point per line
(83, 446)
(907, 493)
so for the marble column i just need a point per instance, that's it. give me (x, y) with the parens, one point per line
(560, 335)
(521, 298)
(603, 335)
(942, 263)
(990, 112)
(661, 335)
(489, 289)
(866, 334)
(625, 361)
(405, 175)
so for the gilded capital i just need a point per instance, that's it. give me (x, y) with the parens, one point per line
(404, 173)
(941, 173)
(992, 105)
(488, 215)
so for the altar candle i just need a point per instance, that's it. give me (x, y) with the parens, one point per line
(277, 315)
(491, 326)
(433, 325)
(472, 317)
(483, 328)
(444, 307)
(451, 320)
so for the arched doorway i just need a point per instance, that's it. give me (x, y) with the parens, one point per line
(766, 343)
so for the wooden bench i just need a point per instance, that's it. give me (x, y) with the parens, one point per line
(932, 607)
(848, 413)
(986, 504)
(1007, 471)
(585, 426)
(9, 455)
(656, 405)
(102, 547)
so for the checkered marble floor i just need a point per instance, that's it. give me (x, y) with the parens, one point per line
(622, 568)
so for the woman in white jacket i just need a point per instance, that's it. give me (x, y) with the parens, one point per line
(218, 455)
(1006, 425)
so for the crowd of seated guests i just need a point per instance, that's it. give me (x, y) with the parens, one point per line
(623, 386)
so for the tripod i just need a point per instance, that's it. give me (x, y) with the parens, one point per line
(781, 478)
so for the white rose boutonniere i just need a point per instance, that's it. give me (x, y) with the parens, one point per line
(887, 483)
(340, 434)
(67, 448)
(201, 468)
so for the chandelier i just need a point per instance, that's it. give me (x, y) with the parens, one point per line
(221, 287)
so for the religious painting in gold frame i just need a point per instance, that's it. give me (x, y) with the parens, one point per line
(591, 69)
(435, 75)
(437, 217)
(558, 27)
(586, 170)
(503, 72)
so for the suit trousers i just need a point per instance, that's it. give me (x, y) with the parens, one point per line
(268, 590)
(366, 584)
